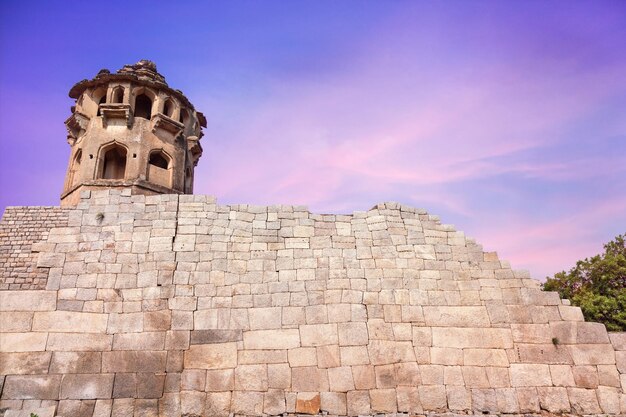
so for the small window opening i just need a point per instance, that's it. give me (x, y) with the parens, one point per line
(118, 95)
(159, 160)
(134, 155)
(184, 116)
(103, 100)
(168, 108)
(114, 164)
(143, 106)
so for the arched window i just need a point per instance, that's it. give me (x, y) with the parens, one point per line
(159, 171)
(143, 106)
(159, 159)
(184, 116)
(168, 108)
(118, 95)
(113, 163)
(73, 177)
(102, 100)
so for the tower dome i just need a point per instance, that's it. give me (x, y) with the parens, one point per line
(131, 130)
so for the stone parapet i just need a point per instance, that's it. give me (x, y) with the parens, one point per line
(175, 305)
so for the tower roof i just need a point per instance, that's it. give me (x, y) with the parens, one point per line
(143, 72)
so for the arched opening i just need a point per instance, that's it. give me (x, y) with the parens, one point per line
(102, 100)
(168, 108)
(118, 95)
(75, 166)
(159, 171)
(184, 116)
(113, 163)
(143, 106)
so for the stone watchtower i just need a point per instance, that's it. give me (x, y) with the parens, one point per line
(131, 130)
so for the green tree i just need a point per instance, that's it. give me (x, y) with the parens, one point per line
(597, 285)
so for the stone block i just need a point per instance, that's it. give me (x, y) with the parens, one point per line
(506, 400)
(157, 320)
(530, 375)
(459, 398)
(384, 352)
(383, 400)
(23, 342)
(75, 362)
(192, 403)
(592, 354)
(193, 380)
(358, 403)
(618, 340)
(253, 357)
(24, 363)
(608, 376)
(217, 404)
(333, 403)
(585, 376)
(309, 379)
(16, 321)
(433, 397)
(591, 333)
(279, 376)
(70, 322)
(125, 323)
(139, 341)
(265, 318)
(308, 402)
(528, 400)
(571, 313)
(39, 412)
(352, 334)
(531, 333)
(79, 342)
(562, 375)
(251, 378)
(407, 373)
(475, 377)
(302, 357)
(271, 339)
(354, 355)
(456, 316)
(86, 386)
(482, 357)
(218, 380)
(460, 337)
(28, 300)
(340, 379)
(125, 385)
(213, 356)
(35, 387)
(133, 361)
(620, 361)
(385, 376)
(609, 401)
(319, 334)
(202, 337)
(328, 356)
(583, 401)
(408, 400)
(177, 340)
(484, 401)
(274, 402)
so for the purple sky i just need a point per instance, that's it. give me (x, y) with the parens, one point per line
(508, 119)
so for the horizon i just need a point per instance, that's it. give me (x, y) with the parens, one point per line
(505, 119)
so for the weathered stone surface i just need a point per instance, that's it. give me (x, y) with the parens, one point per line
(133, 361)
(203, 337)
(87, 386)
(28, 300)
(308, 402)
(453, 316)
(217, 404)
(530, 375)
(220, 380)
(386, 351)
(333, 403)
(213, 356)
(458, 337)
(24, 363)
(79, 342)
(40, 412)
(251, 378)
(272, 339)
(69, 322)
(35, 387)
(23, 342)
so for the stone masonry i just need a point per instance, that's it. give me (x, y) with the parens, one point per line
(174, 305)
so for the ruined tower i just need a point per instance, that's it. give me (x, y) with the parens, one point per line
(131, 130)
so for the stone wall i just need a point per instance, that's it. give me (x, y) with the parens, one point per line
(19, 229)
(174, 305)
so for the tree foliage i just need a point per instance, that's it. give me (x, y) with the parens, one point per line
(597, 285)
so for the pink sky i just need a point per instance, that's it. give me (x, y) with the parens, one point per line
(506, 119)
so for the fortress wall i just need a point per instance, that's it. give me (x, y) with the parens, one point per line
(175, 305)
(20, 228)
